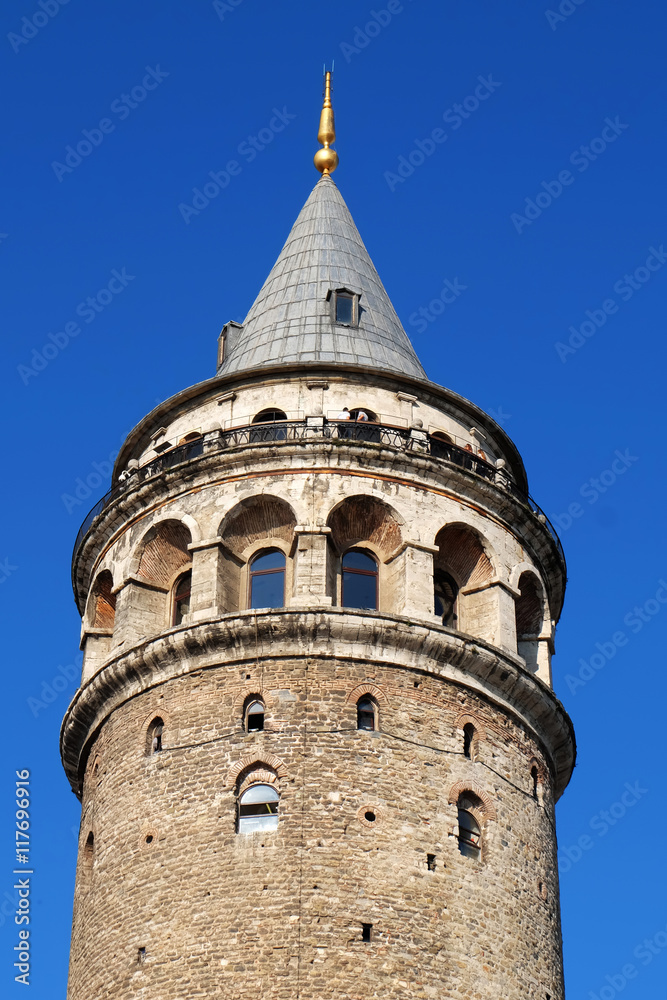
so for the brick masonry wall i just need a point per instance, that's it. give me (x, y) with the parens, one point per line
(279, 914)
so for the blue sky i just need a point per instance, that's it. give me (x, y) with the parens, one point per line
(544, 201)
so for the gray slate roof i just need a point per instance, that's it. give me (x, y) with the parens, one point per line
(290, 321)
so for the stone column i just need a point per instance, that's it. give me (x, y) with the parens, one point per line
(489, 612)
(410, 581)
(310, 567)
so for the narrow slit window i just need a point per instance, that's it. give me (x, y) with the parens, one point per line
(181, 605)
(534, 777)
(366, 932)
(366, 714)
(469, 835)
(468, 740)
(155, 733)
(255, 717)
(430, 862)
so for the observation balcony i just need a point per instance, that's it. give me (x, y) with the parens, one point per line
(318, 429)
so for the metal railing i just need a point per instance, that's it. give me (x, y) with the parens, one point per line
(304, 430)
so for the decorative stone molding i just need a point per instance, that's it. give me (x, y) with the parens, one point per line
(242, 638)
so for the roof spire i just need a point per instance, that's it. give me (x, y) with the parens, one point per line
(326, 160)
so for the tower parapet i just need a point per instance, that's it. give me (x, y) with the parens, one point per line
(316, 741)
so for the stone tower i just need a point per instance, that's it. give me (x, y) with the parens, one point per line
(315, 741)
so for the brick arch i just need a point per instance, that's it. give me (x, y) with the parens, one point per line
(254, 519)
(102, 602)
(463, 552)
(465, 718)
(252, 692)
(364, 518)
(269, 760)
(257, 776)
(156, 713)
(367, 688)
(460, 787)
(163, 552)
(542, 772)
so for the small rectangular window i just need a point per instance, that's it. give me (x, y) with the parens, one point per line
(344, 308)
(366, 932)
(430, 862)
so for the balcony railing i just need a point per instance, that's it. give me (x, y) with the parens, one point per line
(305, 430)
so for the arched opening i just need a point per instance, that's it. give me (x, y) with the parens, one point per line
(180, 601)
(254, 715)
(104, 602)
(363, 415)
(367, 714)
(88, 858)
(445, 594)
(529, 617)
(154, 736)
(468, 740)
(460, 565)
(469, 833)
(262, 518)
(192, 436)
(258, 809)
(356, 520)
(164, 557)
(267, 579)
(441, 436)
(269, 416)
(534, 780)
(360, 580)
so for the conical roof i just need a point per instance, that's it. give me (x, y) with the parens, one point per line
(291, 321)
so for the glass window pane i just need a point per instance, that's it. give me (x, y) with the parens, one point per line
(250, 824)
(359, 591)
(344, 309)
(267, 590)
(359, 560)
(268, 560)
(259, 793)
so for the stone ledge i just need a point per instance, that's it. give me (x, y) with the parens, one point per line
(299, 633)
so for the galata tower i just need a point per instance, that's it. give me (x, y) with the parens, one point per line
(315, 741)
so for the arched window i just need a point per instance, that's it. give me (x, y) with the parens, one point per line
(88, 857)
(535, 778)
(181, 598)
(468, 740)
(445, 594)
(469, 835)
(360, 580)
(367, 714)
(269, 416)
(363, 414)
(254, 716)
(258, 809)
(267, 579)
(154, 736)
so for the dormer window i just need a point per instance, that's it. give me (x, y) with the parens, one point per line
(344, 307)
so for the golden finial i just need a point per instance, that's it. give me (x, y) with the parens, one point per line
(326, 160)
